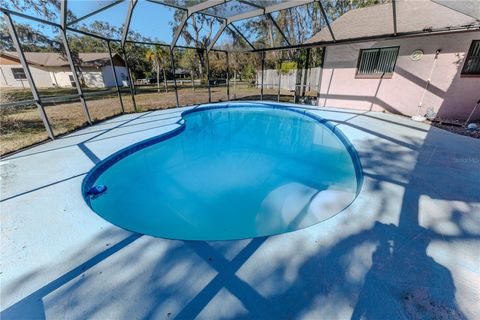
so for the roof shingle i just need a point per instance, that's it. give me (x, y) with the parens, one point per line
(416, 15)
(52, 59)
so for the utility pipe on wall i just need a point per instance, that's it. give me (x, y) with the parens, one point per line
(471, 113)
(420, 117)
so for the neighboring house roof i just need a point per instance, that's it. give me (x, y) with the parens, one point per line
(415, 15)
(181, 71)
(51, 59)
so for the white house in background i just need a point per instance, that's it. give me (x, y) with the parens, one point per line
(440, 72)
(51, 70)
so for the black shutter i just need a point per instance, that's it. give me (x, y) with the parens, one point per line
(377, 61)
(472, 62)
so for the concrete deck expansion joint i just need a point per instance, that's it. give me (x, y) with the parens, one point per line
(406, 248)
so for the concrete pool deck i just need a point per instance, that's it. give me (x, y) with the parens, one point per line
(407, 247)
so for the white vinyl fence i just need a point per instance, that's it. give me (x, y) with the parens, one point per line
(289, 80)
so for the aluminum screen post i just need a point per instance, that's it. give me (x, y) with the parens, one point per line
(263, 67)
(172, 61)
(103, 8)
(304, 82)
(126, 27)
(128, 19)
(298, 77)
(217, 35)
(115, 76)
(262, 10)
(130, 80)
(320, 74)
(198, 7)
(63, 14)
(269, 16)
(208, 77)
(394, 13)
(75, 76)
(279, 81)
(234, 29)
(28, 74)
(228, 76)
(179, 30)
(324, 15)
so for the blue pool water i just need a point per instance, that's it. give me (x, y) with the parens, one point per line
(241, 171)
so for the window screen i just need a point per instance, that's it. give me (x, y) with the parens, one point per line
(19, 74)
(472, 62)
(377, 61)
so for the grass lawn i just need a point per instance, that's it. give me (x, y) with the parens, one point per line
(22, 126)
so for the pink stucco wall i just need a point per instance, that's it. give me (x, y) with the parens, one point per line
(451, 95)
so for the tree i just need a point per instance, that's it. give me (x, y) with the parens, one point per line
(48, 9)
(159, 56)
(241, 64)
(135, 54)
(188, 60)
(336, 8)
(31, 40)
(298, 24)
(218, 66)
(197, 33)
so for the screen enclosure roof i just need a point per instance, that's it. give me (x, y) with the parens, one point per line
(248, 25)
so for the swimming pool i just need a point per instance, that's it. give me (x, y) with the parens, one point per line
(229, 171)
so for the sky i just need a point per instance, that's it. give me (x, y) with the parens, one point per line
(152, 20)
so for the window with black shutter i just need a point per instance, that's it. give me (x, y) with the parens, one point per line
(377, 62)
(471, 67)
(19, 74)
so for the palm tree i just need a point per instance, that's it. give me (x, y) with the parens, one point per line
(159, 57)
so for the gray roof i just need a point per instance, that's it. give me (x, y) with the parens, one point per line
(418, 15)
(51, 59)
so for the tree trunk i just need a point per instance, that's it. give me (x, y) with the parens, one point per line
(235, 85)
(158, 77)
(200, 70)
(193, 83)
(155, 60)
(165, 80)
(201, 63)
(270, 33)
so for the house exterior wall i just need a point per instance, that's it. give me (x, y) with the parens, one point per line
(41, 77)
(47, 77)
(93, 77)
(108, 78)
(60, 77)
(450, 94)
